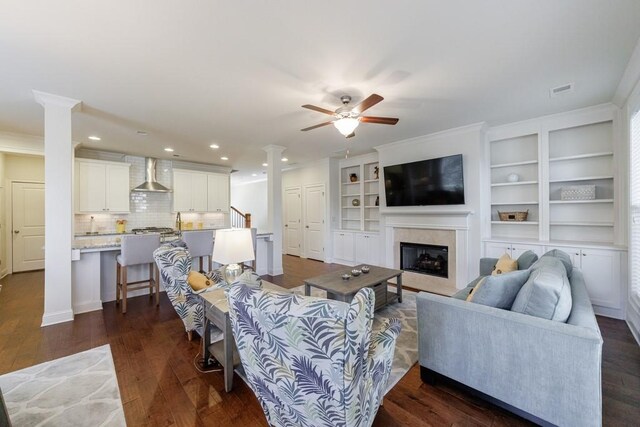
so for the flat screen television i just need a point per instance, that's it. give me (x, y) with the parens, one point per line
(425, 183)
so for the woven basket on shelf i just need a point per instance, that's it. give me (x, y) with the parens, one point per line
(513, 216)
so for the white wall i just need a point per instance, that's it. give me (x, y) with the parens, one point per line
(468, 141)
(252, 198)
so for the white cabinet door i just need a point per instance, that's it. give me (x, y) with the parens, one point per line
(91, 187)
(117, 189)
(518, 249)
(601, 270)
(343, 246)
(496, 249)
(181, 191)
(218, 193)
(199, 192)
(366, 249)
(574, 254)
(373, 245)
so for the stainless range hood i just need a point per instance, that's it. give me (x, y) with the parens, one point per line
(151, 185)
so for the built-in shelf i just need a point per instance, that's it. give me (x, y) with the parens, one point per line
(506, 184)
(351, 207)
(513, 203)
(506, 165)
(371, 220)
(371, 180)
(371, 194)
(562, 202)
(581, 224)
(515, 222)
(582, 156)
(350, 195)
(372, 207)
(351, 183)
(351, 220)
(584, 178)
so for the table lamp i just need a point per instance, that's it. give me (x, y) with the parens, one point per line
(231, 247)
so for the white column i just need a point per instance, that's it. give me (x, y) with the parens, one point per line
(58, 206)
(274, 207)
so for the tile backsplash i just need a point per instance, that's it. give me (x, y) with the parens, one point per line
(147, 209)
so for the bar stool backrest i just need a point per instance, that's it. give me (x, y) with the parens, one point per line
(199, 242)
(138, 248)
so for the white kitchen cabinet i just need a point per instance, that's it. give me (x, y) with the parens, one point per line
(101, 186)
(601, 271)
(218, 192)
(343, 247)
(366, 249)
(189, 191)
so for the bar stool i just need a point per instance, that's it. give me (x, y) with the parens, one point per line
(137, 250)
(199, 244)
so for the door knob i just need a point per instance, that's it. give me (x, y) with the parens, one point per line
(286, 225)
(16, 231)
(306, 226)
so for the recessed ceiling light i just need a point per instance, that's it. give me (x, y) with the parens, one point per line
(95, 138)
(284, 159)
(224, 158)
(170, 150)
(214, 146)
(254, 174)
(265, 164)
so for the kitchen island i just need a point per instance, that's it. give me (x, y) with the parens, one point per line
(94, 269)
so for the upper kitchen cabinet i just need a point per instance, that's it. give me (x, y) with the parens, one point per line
(189, 191)
(101, 186)
(218, 192)
(200, 191)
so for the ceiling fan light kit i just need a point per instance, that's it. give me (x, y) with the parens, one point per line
(346, 119)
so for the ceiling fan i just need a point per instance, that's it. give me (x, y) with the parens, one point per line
(347, 119)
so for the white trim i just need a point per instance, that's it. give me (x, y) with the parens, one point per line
(87, 307)
(474, 127)
(44, 99)
(629, 78)
(49, 319)
(424, 210)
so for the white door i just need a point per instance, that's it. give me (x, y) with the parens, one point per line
(373, 249)
(362, 250)
(292, 221)
(314, 222)
(600, 268)
(574, 254)
(117, 192)
(181, 191)
(28, 226)
(518, 249)
(218, 189)
(496, 250)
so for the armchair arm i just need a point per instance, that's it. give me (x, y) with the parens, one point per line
(380, 357)
(487, 265)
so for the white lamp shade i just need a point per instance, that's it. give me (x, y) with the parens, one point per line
(346, 125)
(232, 246)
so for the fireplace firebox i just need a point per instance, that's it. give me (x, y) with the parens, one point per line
(425, 259)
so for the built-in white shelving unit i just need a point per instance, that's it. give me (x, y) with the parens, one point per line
(358, 210)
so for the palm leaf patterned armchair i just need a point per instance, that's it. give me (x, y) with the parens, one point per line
(312, 361)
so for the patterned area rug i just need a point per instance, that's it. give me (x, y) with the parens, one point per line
(406, 354)
(77, 390)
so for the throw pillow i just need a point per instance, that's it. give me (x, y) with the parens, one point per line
(526, 260)
(547, 292)
(198, 281)
(250, 279)
(505, 265)
(499, 291)
(562, 256)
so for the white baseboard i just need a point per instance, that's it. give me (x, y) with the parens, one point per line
(4, 272)
(49, 319)
(609, 312)
(87, 307)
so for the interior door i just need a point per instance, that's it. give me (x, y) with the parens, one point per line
(292, 220)
(314, 221)
(28, 226)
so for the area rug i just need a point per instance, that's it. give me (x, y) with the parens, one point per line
(77, 390)
(406, 354)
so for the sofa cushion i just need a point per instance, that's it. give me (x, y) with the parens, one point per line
(505, 265)
(462, 294)
(526, 260)
(562, 256)
(499, 291)
(547, 293)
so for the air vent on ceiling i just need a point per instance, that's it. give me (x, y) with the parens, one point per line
(561, 90)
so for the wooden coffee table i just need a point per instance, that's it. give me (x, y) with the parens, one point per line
(344, 290)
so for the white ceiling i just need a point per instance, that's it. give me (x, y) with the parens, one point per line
(236, 73)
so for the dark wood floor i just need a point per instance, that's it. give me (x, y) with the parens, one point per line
(161, 387)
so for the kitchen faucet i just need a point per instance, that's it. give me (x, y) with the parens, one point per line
(179, 224)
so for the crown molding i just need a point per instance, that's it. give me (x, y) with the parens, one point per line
(474, 127)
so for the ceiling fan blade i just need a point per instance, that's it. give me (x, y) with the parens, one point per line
(351, 135)
(367, 103)
(379, 120)
(319, 109)
(316, 126)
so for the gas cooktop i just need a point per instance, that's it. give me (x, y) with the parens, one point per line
(146, 230)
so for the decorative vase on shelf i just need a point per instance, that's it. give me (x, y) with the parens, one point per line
(514, 177)
(355, 202)
(377, 200)
(376, 170)
(353, 177)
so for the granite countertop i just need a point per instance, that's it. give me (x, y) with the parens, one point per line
(113, 233)
(95, 243)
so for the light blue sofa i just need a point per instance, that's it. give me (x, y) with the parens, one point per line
(546, 371)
